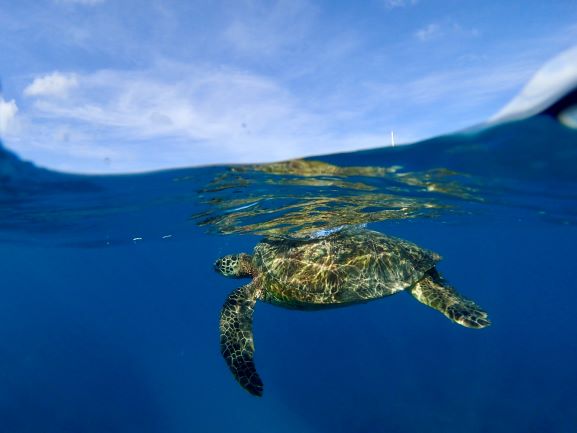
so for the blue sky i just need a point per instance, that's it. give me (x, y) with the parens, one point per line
(121, 86)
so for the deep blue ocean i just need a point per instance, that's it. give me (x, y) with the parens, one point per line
(110, 304)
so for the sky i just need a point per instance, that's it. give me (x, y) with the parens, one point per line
(108, 86)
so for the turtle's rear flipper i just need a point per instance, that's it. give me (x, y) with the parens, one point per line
(236, 342)
(433, 291)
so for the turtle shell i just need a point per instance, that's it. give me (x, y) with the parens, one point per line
(342, 268)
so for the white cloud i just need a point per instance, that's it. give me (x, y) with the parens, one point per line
(428, 32)
(392, 4)
(8, 110)
(551, 81)
(55, 84)
(208, 104)
(81, 2)
(446, 28)
(261, 28)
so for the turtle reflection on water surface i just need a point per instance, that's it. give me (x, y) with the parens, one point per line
(346, 267)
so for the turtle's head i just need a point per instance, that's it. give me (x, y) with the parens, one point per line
(234, 265)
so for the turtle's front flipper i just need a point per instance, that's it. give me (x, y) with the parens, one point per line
(433, 291)
(236, 342)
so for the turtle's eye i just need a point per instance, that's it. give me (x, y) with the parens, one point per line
(218, 266)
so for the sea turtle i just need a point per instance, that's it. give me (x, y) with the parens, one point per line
(345, 267)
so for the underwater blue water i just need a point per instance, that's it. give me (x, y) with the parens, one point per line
(110, 305)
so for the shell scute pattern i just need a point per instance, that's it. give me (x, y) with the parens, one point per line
(338, 269)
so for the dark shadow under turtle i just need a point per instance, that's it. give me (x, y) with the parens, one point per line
(346, 267)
